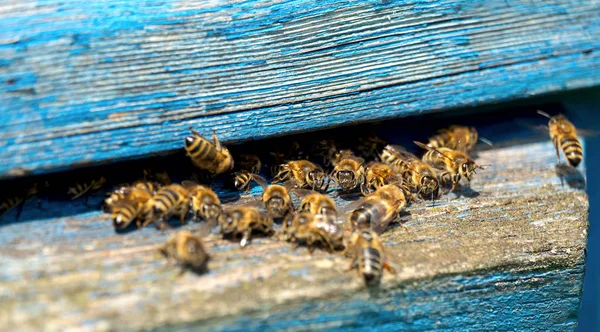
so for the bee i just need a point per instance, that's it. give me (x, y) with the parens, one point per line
(368, 255)
(326, 150)
(160, 178)
(207, 155)
(138, 189)
(377, 175)
(188, 250)
(169, 200)
(378, 209)
(276, 198)
(456, 164)
(81, 189)
(204, 202)
(416, 173)
(564, 135)
(349, 172)
(319, 204)
(368, 146)
(18, 200)
(281, 156)
(302, 173)
(310, 229)
(125, 211)
(455, 137)
(249, 164)
(244, 220)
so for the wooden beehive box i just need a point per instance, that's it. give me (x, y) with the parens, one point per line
(97, 83)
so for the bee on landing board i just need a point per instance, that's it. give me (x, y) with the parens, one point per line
(125, 211)
(139, 189)
(368, 255)
(204, 202)
(348, 172)
(314, 230)
(416, 173)
(377, 210)
(276, 198)
(302, 174)
(564, 137)
(247, 165)
(318, 204)
(187, 250)
(207, 155)
(168, 201)
(244, 221)
(455, 164)
(377, 176)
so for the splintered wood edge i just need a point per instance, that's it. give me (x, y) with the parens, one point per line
(522, 219)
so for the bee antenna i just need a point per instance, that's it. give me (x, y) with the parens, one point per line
(486, 141)
(544, 114)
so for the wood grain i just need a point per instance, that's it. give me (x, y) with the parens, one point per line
(84, 83)
(507, 255)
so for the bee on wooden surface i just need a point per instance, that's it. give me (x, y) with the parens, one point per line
(369, 146)
(169, 200)
(302, 173)
(455, 164)
(205, 203)
(349, 172)
(314, 230)
(318, 204)
(378, 209)
(125, 211)
(206, 155)
(188, 250)
(139, 189)
(368, 255)
(283, 155)
(276, 198)
(18, 199)
(416, 173)
(81, 189)
(248, 164)
(377, 175)
(564, 137)
(244, 220)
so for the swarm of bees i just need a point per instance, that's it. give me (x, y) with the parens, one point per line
(303, 179)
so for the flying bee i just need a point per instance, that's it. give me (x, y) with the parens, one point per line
(276, 198)
(82, 189)
(204, 203)
(248, 164)
(206, 155)
(302, 173)
(416, 173)
(169, 200)
(318, 204)
(377, 175)
(188, 250)
(312, 230)
(378, 209)
(349, 172)
(564, 135)
(455, 164)
(368, 255)
(244, 220)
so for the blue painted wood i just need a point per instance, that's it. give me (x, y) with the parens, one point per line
(83, 83)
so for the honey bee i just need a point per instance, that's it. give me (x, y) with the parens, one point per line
(319, 204)
(564, 135)
(18, 200)
(302, 173)
(276, 198)
(204, 202)
(249, 164)
(138, 189)
(125, 211)
(368, 255)
(160, 178)
(244, 220)
(455, 137)
(82, 189)
(326, 150)
(169, 200)
(377, 176)
(207, 155)
(368, 146)
(349, 172)
(312, 230)
(416, 173)
(188, 250)
(456, 164)
(378, 209)
(281, 156)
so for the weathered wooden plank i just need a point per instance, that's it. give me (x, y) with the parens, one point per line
(83, 83)
(507, 255)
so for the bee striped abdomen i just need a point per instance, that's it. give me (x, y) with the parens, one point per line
(371, 265)
(125, 213)
(165, 200)
(572, 150)
(200, 149)
(440, 140)
(361, 218)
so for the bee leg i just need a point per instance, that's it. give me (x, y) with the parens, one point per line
(555, 142)
(246, 237)
(389, 268)
(216, 141)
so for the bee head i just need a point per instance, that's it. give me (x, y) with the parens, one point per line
(428, 185)
(276, 206)
(316, 178)
(211, 211)
(467, 169)
(346, 179)
(228, 221)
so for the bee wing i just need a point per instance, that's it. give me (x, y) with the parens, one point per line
(586, 132)
(301, 193)
(426, 147)
(401, 152)
(188, 184)
(380, 224)
(260, 180)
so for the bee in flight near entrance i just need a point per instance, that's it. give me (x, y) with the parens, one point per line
(564, 137)
(207, 155)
